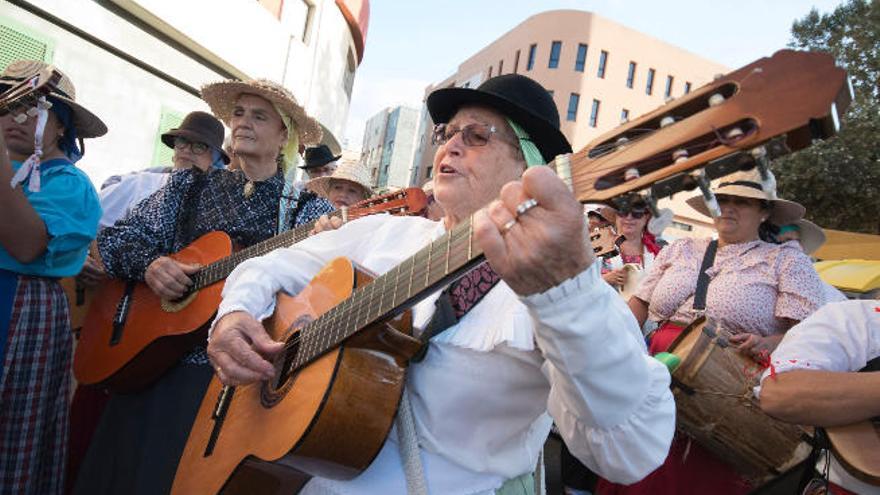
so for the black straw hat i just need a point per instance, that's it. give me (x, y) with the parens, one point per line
(199, 127)
(319, 156)
(518, 98)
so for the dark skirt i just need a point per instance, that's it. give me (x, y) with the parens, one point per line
(34, 386)
(141, 436)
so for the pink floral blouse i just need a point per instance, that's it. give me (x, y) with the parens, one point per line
(753, 285)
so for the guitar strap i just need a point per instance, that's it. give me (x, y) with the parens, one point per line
(456, 301)
(186, 216)
(703, 277)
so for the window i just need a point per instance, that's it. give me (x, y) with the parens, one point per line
(603, 60)
(668, 92)
(490, 72)
(531, 62)
(554, 54)
(500, 67)
(594, 113)
(649, 86)
(687, 87)
(624, 115)
(348, 77)
(581, 58)
(168, 119)
(631, 75)
(573, 101)
(516, 62)
(21, 43)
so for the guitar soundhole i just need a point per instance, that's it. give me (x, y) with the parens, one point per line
(285, 374)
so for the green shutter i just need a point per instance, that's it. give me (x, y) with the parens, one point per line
(162, 154)
(22, 43)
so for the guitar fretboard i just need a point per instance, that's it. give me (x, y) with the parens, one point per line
(443, 260)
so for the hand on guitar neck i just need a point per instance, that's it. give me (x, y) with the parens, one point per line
(542, 247)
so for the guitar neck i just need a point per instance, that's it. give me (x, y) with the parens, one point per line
(221, 269)
(435, 265)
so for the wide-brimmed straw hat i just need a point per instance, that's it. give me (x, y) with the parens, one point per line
(87, 124)
(518, 98)
(747, 184)
(199, 127)
(221, 97)
(349, 170)
(811, 236)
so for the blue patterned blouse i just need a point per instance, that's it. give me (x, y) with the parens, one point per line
(160, 225)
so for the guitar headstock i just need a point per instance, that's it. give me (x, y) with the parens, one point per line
(26, 93)
(768, 108)
(602, 240)
(410, 201)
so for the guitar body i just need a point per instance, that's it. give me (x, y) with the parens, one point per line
(857, 448)
(156, 332)
(329, 419)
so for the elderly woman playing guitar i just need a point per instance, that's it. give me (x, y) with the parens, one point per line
(756, 291)
(548, 337)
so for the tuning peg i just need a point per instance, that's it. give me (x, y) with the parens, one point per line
(32, 111)
(563, 169)
(667, 121)
(680, 155)
(20, 118)
(716, 99)
(44, 103)
(631, 174)
(768, 180)
(708, 195)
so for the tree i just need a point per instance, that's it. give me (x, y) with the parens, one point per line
(839, 180)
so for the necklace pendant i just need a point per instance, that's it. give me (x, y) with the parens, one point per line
(248, 189)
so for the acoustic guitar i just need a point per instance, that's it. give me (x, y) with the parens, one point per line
(131, 336)
(339, 379)
(857, 448)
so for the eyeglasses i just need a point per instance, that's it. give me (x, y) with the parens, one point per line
(182, 143)
(471, 134)
(637, 214)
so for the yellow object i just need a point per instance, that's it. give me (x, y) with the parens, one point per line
(850, 275)
(842, 245)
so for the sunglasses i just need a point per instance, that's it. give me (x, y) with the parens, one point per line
(471, 134)
(637, 214)
(181, 143)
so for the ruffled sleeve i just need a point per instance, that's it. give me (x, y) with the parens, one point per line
(68, 204)
(799, 286)
(658, 267)
(610, 400)
(146, 233)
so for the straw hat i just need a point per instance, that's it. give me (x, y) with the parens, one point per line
(747, 184)
(811, 235)
(348, 170)
(87, 124)
(221, 97)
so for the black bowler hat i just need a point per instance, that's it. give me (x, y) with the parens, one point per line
(199, 127)
(518, 98)
(319, 156)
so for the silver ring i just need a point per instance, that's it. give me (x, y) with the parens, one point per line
(525, 206)
(507, 226)
(218, 370)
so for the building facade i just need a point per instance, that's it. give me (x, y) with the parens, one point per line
(389, 143)
(600, 73)
(138, 64)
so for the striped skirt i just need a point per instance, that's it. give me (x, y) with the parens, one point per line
(34, 386)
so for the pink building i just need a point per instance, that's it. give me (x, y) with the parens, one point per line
(600, 73)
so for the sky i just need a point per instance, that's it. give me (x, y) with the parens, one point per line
(414, 43)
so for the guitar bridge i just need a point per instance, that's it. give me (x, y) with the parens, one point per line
(224, 399)
(121, 315)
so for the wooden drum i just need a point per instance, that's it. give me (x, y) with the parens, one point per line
(716, 407)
